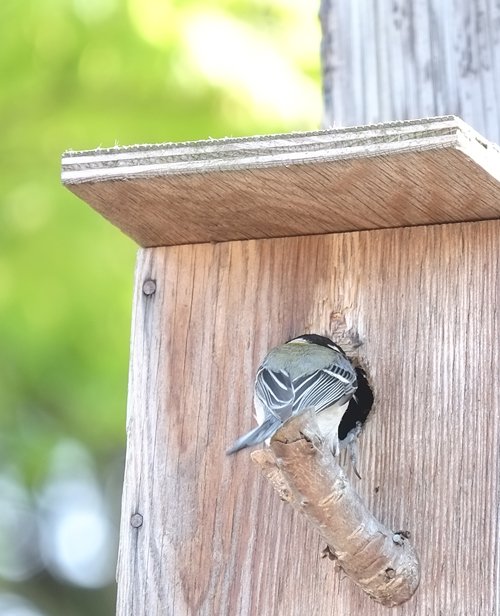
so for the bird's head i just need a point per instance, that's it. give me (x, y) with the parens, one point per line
(316, 339)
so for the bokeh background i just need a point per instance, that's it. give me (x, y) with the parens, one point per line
(77, 74)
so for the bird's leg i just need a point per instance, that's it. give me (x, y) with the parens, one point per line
(353, 454)
(352, 444)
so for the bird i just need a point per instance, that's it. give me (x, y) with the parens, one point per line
(307, 372)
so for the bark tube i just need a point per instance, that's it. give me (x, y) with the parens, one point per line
(302, 470)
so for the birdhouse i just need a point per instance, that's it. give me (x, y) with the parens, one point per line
(384, 237)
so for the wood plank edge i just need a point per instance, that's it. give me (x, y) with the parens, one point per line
(258, 152)
(483, 153)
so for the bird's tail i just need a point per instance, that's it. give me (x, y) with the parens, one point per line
(257, 435)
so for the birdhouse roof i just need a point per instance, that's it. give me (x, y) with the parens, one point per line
(396, 174)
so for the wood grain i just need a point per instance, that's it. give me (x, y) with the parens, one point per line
(215, 539)
(399, 59)
(397, 174)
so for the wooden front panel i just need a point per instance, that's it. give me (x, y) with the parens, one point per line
(215, 539)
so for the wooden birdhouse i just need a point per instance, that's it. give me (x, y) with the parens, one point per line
(387, 236)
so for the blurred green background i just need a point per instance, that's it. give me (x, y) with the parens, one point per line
(77, 74)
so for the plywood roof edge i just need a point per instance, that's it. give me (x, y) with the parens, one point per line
(215, 155)
(483, 152)
(429, 171)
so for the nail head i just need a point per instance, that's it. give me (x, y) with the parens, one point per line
(136, 520)
(149, 287)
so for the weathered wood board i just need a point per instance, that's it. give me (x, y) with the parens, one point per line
(400, 59)
(390, 175)
(214, 538)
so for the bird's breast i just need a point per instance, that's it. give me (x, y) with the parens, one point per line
(329, 419)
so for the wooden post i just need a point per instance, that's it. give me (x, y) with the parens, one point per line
(403, 59)
(203, 533)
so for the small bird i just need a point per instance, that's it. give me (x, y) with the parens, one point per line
(309, 371)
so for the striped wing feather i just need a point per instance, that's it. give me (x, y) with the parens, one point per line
(319, 390)
(275, 391)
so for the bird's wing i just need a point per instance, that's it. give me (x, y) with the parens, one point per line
(324, 387)
(275, 391)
